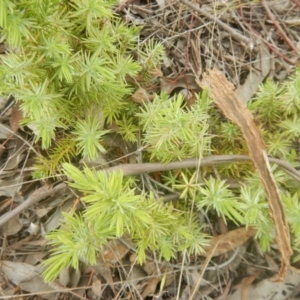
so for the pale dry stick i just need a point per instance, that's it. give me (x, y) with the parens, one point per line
(233, 33)
(21, 138)
(208, 259)
(278, 27)
(136, 169)
(36, 196)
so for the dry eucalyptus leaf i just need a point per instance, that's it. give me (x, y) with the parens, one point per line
(98, 161)
(104, 270)
(280, 6)
(15, 154)
(150, 267)
(229, 241)
(135, 273)
(141, 96)
(51, 204)
(97, 287)
(255, 79)
(150, 287)
(2, 149)
(186, 82)
(75, 277)
(5, 131)
(35, 257)
(190, 97)
(37, 286)
(12, 227)
(10, 188)
(64, 277)
(18, 272)
(114, 251)
(268, 289)
(15, 117)
(56, 218)
(196, 279)
(161, 4)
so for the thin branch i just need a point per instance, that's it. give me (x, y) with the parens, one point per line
(284, 36)
(233, 33)
(137, 169)
(36, 196)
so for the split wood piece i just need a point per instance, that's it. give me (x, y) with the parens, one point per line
(222, 92)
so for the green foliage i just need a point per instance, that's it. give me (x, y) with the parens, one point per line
(174, 132)
(64, 151)
(70, 64)
(218, 197)
(112, 209)
(88, 134)
(266, 104)
(79, 239)
(66, 57)
(127, 128)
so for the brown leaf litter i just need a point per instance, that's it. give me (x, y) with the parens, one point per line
(246, 42)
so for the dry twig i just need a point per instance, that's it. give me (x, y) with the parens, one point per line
(284, 36)
(137, 169)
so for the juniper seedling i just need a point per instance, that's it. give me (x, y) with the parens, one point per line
(115, 199)
(67, 64)
(68, 61)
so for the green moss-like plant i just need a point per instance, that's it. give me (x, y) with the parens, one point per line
(67, 64)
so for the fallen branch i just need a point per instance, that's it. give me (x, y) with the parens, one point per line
(137, 169)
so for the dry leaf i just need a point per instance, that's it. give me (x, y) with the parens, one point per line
(64, 277)
(97, 287)
(13, 226)
(156, 72)
(267, 289)
(105, 271)
(114, 251)
(255, 79)
(226, 291)
(190, 97)
(141, 96)
(15, 117)
(229, 241)
(246, 283)
(222, 92)
(5, 132)
(19, 272)
(187, 82)
(2, 149)
(15, 153)
(37, 286)
(151, 287)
